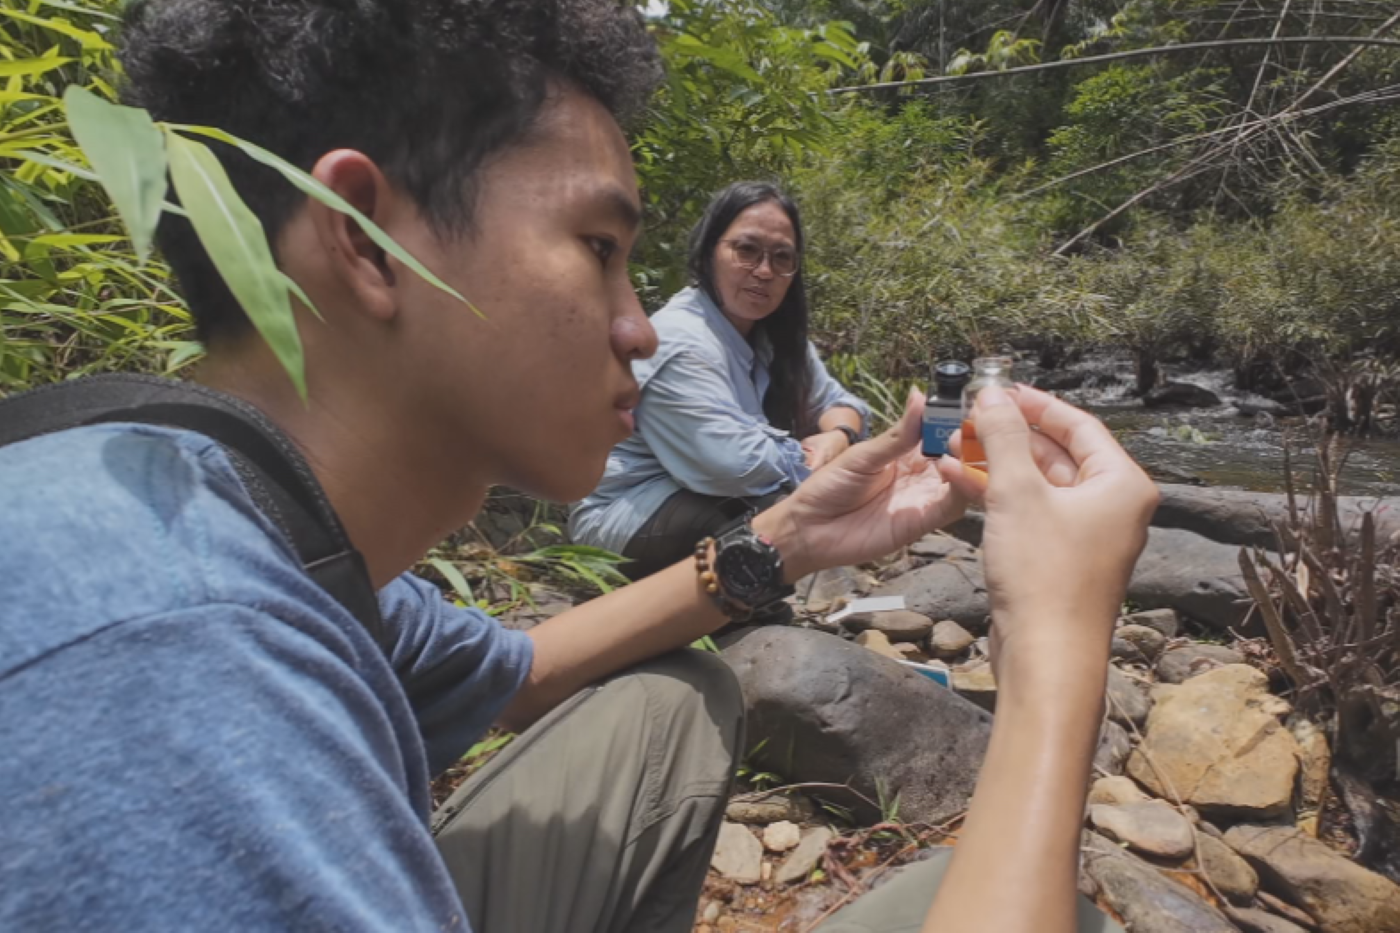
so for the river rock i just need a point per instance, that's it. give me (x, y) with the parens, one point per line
(1181, 664)
(1285, 910)
(1217, 742)
(1115, 789)
(1229, 872)
(1062, 381)
(738, 855)
(1148, 641)
(941, 545)
(1151, 827)
(947, 588)
(1316, 761)
(829, 711)
(1193, 575)
(1250, 920)
(771, 809)
(1232, 516)
(949, 639)
(1147, 900)
(779, 837)
(879, 643)
(1180, 394)
(1114, 746)
(820, 591)
(911, 652)
(1340, 895)
(807, 855)
(1164, 621)
(977, 684)
(895, 624)
(1128, 700)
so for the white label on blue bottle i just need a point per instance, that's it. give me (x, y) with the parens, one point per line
(939, 426)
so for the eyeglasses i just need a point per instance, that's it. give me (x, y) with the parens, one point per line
(781, 259)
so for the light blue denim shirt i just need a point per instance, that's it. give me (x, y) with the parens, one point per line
(700, 424)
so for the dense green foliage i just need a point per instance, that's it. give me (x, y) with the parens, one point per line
(1236, 204)
(1261, 229)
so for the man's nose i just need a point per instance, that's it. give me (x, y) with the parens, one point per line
(633, 337)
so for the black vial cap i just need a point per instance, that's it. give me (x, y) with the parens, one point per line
(949, 378)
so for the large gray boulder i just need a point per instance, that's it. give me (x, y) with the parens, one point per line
(1197, 577)
(948, 588)
(827, 711)
(1232, 516)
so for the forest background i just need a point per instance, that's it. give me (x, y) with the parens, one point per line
(1186, 181)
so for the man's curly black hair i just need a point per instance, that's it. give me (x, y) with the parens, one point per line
(427, 88)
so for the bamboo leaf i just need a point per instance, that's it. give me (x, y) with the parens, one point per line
(26, 67)
(313, 188)
(453, 576)
(236, 242)
(90, 41)
(126, 150)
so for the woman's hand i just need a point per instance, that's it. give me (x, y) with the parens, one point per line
(875, 498)
(823, 448)
(1067, 516)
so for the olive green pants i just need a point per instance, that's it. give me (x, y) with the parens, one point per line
(601, 818)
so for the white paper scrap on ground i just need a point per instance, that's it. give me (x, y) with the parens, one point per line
(869, 604)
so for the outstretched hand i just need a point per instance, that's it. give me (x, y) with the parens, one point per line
(877, 497)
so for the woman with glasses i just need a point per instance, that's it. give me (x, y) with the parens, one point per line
(736, 408)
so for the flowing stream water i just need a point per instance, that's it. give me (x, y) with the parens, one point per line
(1219, 446)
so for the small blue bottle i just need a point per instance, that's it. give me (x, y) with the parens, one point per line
(943, 409)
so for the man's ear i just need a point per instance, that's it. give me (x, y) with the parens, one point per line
(349, 253)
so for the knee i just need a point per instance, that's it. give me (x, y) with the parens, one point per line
(695, 694)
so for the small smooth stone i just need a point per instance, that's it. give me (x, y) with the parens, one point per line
(1151, 827)
(780, 837)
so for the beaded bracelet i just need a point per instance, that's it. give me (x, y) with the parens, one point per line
(710, 581)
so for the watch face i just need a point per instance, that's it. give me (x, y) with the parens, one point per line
(746, 568)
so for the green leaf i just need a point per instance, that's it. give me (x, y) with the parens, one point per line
(90, 41)
(453, 576)
(25, 67)
(313, 188)
(300, 293)
(125, 148)
(88, 10)
(236, 242)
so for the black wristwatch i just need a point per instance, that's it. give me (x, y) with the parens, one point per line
(749, 567)
(852, 436)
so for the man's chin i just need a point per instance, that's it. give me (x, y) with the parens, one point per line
(569, 482)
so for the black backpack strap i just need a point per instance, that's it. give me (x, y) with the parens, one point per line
(277, 477)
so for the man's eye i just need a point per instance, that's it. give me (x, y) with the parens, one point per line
(603, 247)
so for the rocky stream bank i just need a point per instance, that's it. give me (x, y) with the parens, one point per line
(1215, 804)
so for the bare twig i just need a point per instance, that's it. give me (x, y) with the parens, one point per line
(1121, 56)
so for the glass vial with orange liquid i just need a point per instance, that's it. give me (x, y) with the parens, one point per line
(987, 371)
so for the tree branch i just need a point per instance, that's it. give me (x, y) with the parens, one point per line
(1121, 56)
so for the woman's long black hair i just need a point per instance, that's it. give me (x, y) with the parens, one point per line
(789, 391)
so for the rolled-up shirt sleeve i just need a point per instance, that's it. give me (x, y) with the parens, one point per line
(827, 394)
(459, 667)
(695, 426)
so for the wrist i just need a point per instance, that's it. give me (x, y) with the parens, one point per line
(848, 434)
(777, 525)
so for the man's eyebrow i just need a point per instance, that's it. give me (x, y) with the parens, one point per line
(622, 207)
